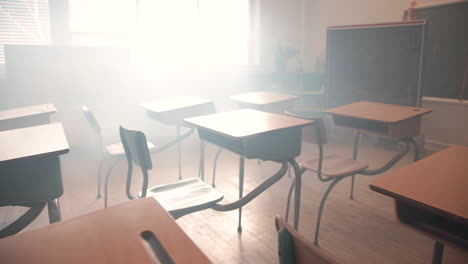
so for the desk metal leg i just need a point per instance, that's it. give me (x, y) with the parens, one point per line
(53, 207)
(438, 253)
(255, 192)
(241, 190)
(179, 153)
(297, 192)
(355, 152)
(291, 189)
(417, 151)
(23, 221)
(213, 182)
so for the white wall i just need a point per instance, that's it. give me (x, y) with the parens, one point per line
(280, 20)
(448, 122)
(324, 13)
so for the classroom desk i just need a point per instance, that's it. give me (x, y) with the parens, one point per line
(132, 232)
(265, 101)
(30, 170)
(254, 134)
(26, 116)
(398, 122)
(172, 111)
(431, 197)
(383, 120)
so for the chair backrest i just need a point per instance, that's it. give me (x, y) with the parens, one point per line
(136, 147)
(316, 133)
(92, 120)
(301, 250)
(136, 150)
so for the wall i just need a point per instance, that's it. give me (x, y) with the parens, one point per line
(280, 20)
(448, 122)
(324, 13)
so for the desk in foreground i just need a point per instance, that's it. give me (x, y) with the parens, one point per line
(30, 173)
(386, 120)
(431, 195)
(30, 164)
(112, 235)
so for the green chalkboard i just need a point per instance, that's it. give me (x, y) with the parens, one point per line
(379, 62)
(445, 49)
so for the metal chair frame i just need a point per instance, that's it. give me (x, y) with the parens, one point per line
(334, 180)
(137, 152)
(98, 131)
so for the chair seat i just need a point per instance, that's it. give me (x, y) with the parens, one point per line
(336, 166)
(185, 194)
(117, 149)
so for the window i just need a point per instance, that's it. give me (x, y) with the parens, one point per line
(167, 31)
(23, 22)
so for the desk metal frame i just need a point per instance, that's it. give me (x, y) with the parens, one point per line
(253, 144)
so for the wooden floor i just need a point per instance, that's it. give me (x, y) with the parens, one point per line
(355, 231)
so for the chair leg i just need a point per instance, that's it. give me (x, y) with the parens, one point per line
(107, 181)
(351, 195)
(241, 190)
(214, 166)
(322, 203)
(201, 165)
(179, 153)
(355, 153)
(291, 189)
(101, 163)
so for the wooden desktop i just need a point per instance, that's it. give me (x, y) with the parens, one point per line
(383, 120)
(431, 196)
(137, 231)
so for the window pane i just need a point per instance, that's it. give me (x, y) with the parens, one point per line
(23, 22)
(224, 29)
(102, 22)
(168, 30)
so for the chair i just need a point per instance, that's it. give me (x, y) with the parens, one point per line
(179, 198)
(113, 151)
(294, 248)
(334, 167)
